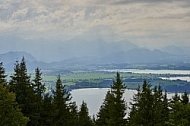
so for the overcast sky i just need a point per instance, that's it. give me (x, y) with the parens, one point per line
(148, 23)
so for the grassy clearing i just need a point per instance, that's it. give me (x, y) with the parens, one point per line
(94, 76)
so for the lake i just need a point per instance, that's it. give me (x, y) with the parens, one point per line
(147, 71)
(177, 78)
(94, 97)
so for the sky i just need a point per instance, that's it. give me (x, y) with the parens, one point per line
(147, 23)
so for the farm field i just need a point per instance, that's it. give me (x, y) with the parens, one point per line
(102, 79)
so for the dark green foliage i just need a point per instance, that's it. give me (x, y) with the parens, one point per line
(113, 110)
(74, 114)
(47, 111)
(175, 98)
(84, 119)
(103, 114)
(180, 111)
(40, 108)
(185, 98)
(2, 74)
(39, 91)
(160, 107)
(38, 87)
(149, 107)
(20, 84)
(10, 114)
(165, 109)
(134, 115)
(61, 104)
(117, 110)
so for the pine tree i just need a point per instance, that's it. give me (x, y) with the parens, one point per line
(165, 108)
(160, 107)
(10, 114)
(74, 114)
(47, 111)
(185, 98)
(179, 111)
(84, 118)
(60, 101)
(134, 115)
(114, 105)
(39, 90)
(2, 74)
(175, 98)
(117, 110)
(20, 84)
(148, 107)
(103, 114)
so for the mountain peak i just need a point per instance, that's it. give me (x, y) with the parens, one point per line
(13, 56)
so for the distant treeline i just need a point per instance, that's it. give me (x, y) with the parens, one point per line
(167, 85)
(25, 102)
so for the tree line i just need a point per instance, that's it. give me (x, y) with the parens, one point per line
(25, 102)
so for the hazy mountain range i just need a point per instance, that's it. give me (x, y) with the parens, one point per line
(87, 52)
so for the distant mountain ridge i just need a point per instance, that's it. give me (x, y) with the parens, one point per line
(175, 50)
(133, 55)
(95, 50)
(17, 55)
(57, 50)
(11, 57)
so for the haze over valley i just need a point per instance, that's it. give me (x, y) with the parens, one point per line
(92, 53)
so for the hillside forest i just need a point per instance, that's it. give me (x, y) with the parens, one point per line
(25, 102)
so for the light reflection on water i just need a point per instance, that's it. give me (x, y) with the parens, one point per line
(147, 71)
(94, 97)
(177, 78)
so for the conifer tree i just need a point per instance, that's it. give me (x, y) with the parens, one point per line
(10, 114)
(74, 114)
(160, 106)
(134, 115)
(179, 111)
(39, 91)
(117, 109)
(149, 107)
(20, 84)
(47, 111)
(60, 101)
(145, 105)
(165, 108)
(2, 74)
(114, 105)
(84, 118)
(39, 88)
(185, 98)
(103, 114)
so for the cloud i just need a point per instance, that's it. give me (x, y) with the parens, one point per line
(121, 2)
(125, 19)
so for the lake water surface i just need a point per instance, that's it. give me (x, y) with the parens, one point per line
(147, 71)
(94, 97)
